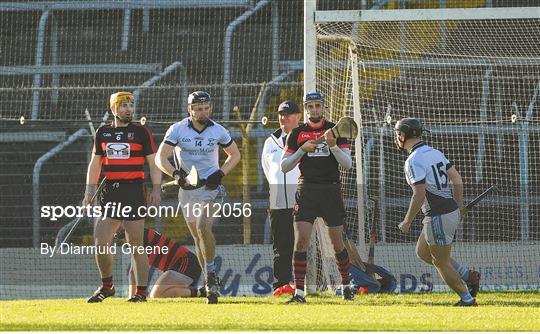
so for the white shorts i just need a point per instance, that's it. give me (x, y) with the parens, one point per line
(440, 230)
(179, 278)
(193, 201)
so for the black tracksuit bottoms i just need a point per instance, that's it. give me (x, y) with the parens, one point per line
(281, 222)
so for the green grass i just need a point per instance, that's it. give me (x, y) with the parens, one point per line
(517, 311)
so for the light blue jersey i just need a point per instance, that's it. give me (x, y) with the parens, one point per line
(426, 165)
(199, 149)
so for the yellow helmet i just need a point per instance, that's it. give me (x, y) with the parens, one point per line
(119, 97)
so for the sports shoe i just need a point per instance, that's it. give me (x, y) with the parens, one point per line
(462, 303)
(137, 299)
(202, 291)
(474, 283)
(100, 294)
(284, 289)
(348, 293)
(296, 299)
(212, 289)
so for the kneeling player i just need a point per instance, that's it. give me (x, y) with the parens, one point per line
(179, 265)
(375, 279)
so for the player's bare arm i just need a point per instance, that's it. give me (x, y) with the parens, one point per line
(457, 186)
(233, 158)
(417, 199)
(162, 158)
(92, 178)
(155, 175)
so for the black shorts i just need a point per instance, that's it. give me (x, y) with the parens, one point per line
(121, 195)
(320, 200)
(193, 269)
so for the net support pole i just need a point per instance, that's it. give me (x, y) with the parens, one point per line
(357, 112)
(382, 175)
(523, 139)
(310, 84)
(310, 47)
(524, 166)
(480, 156)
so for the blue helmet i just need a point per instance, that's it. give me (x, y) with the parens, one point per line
(313, 96)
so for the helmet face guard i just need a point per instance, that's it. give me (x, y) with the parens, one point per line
(199, 97)
(314, 97)
(410, 127)
(116, 100)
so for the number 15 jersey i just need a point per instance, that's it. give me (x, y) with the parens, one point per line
(426, 165)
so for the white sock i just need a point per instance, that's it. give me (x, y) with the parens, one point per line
(462, 271)
(299, 292)
(210, 267)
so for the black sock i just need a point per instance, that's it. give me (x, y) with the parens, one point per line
(106, 282)
(343, 264)
(299, 269)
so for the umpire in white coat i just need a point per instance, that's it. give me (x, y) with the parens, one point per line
(282, 193)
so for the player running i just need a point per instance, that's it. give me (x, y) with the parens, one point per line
(438, 191)
(319, 190)
(121, 147)
(179, 265)
(198, 139)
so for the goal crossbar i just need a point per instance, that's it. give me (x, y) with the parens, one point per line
(444, 14)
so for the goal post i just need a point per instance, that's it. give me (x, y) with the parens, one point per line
(473, 77)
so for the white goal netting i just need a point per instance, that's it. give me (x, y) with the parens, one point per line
(475, 84)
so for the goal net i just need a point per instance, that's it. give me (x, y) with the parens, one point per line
(473, 78)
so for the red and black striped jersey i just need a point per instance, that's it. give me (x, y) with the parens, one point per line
(124, 150)
(320, 166)
(178, 257)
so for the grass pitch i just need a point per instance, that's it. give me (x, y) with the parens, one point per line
(514, 311)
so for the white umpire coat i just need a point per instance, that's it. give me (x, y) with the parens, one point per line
(282, 185)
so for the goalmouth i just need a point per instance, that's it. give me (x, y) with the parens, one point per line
(473, 77)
